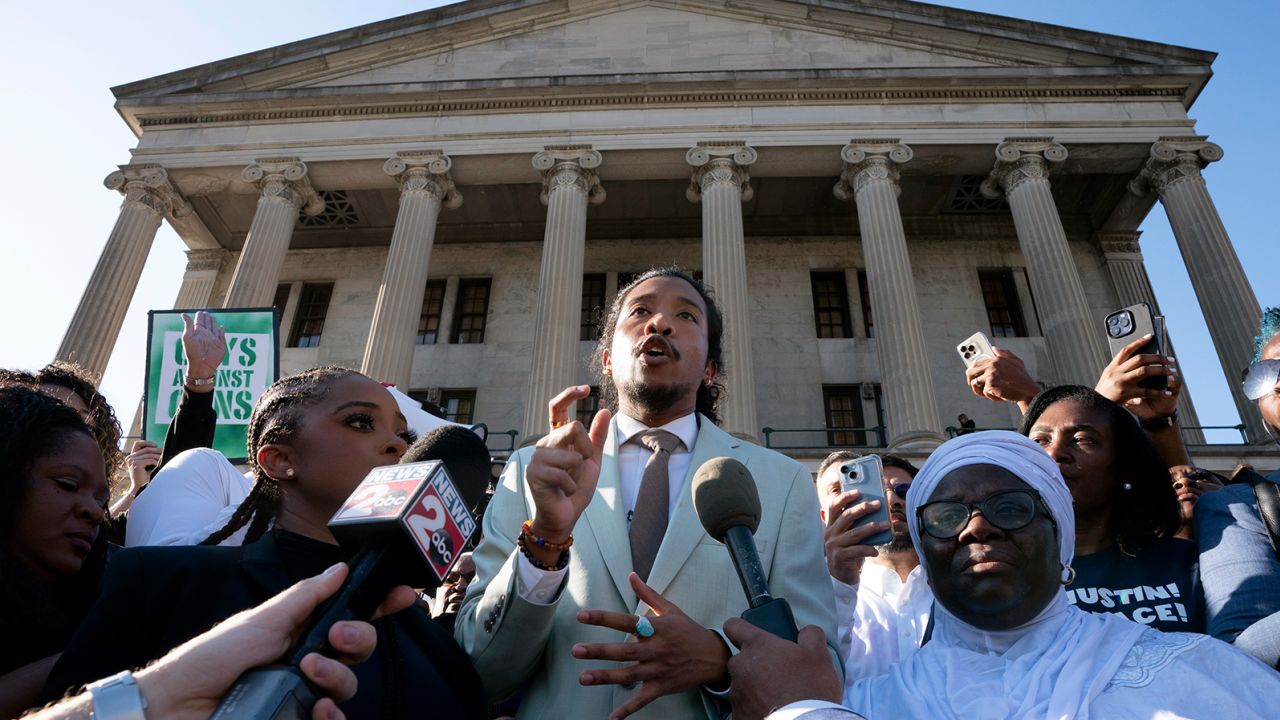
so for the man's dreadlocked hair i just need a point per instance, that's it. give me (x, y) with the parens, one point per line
(708, 394)
(275, 419)
(1269, 328)
(102, 417)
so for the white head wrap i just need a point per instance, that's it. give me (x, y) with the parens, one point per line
(1007, 450)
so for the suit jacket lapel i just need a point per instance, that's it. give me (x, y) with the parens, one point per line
(608, 522)
(684, 531)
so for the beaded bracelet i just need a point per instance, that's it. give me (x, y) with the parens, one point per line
(561, 564)
(526, 530)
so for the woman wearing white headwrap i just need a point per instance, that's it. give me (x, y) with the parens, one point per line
(992, 520)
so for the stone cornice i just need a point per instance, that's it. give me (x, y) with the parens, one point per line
(720, 163)
(1174, 159)
(866, 161)
(289, 106)
(572, 167)
(954, 32)
(425, 171)
(284, 179)
(1019, 159)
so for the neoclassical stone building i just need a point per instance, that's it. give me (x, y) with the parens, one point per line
(443, 199)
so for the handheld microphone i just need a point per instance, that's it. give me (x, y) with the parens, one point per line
(408, 524)
(728, 505)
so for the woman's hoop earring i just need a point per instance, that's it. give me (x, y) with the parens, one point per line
(1068, 574)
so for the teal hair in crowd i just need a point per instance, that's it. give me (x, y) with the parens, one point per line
(1269, 328)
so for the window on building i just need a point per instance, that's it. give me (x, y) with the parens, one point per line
(1001, 297)
(471, 311)
(592, 306)
(458, 405)
(864, 297)
(282, 297)
(843, 406)
(831, 304)
(308, 322)
(588, 406)
(432, 305)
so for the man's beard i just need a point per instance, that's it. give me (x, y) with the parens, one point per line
(653, 399)
(901, 542)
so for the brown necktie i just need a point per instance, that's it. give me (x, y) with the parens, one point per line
(649, 520)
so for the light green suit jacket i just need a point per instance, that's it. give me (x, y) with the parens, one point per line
(513, 641)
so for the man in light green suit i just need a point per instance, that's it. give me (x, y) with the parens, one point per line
(560, 621)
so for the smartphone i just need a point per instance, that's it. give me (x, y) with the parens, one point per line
(865, 474)
(975, 348)
(1125, 326)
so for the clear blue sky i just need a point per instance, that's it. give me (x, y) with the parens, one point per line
(62, 137)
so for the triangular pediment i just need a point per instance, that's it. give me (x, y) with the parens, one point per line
(482, 42)
(653, 39)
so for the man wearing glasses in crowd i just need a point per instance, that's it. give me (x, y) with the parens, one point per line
(882, 598)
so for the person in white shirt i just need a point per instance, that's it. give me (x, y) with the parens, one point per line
(882, 599)
(192, 496)
(992, 521)
(627, 620)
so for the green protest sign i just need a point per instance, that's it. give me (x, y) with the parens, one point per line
(252, 363)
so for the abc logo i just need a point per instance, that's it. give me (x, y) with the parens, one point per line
(441, 548)
(393, 499)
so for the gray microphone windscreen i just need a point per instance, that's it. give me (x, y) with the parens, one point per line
(725, 495)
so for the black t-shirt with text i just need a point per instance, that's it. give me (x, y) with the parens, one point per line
(1160, 587)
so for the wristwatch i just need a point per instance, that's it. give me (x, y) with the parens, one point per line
(117, 698)
(1160, 423)
(200, 382)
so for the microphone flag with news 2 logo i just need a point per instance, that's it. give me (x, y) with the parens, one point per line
(406, 524)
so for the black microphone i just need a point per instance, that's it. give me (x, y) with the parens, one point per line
(408, 525)
(728, 505)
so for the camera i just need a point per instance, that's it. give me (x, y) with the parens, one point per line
(1120, 324)
(853, 472)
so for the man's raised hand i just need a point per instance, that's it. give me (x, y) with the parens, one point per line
(565, 468)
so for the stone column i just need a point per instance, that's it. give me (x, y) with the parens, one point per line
(1226, 298)
(1129, 276)
(425, 184)
(870, 178)
(721, 183)
(284, 189)
(1071, 331)
(569, 183)
(203, 267)
(148, 198)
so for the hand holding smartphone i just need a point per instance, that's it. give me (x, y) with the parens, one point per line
(865, 474)
(975, 349)
(1126, 325)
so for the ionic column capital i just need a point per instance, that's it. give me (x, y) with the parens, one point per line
(1117, 245)
(148, 185)
(720, 163)
(425, 171)
(205, 260)
(1019, 160)
(1173, 159)
(870, 161)
(570, 167)
(284, 179)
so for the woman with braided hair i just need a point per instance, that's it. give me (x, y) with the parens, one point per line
(313, 437)
(53, 495)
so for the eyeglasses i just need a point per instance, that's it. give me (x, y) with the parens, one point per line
(1009, 510)
(900, 489)
(1259, 379)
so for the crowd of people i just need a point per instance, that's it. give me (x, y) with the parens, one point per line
(1080, 566)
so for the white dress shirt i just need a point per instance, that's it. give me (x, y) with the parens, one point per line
(882, 619)
(192, 497)
(540, 586)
